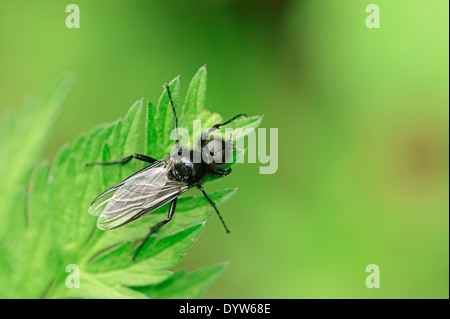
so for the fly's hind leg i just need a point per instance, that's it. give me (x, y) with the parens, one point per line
(157, 226)
(213, 206)
(124, 160)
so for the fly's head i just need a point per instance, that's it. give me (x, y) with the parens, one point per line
(217, 152)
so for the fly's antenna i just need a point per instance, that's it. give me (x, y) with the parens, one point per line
(175, 118)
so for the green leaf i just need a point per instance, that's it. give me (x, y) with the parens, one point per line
(195, 97)
(182, 286)
(23, 136)
(48, 227)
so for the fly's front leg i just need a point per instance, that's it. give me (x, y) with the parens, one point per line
(219, 171)
(206, 133)
(173, 205)
(124, 160)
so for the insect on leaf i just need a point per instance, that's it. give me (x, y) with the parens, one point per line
(47, 226)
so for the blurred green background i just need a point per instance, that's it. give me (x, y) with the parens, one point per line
(362, 116)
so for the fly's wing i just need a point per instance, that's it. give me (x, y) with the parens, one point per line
(136, 196)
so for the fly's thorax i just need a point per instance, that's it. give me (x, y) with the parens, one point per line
(188, 167)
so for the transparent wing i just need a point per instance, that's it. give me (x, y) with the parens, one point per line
(139, 194)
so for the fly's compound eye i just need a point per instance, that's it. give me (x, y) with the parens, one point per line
(216, 151)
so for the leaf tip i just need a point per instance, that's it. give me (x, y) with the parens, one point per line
(223, 265)
(68, 78)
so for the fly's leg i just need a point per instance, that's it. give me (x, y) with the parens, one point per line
(124, 160)
(219, 171)
(214, 206)
(173, 204)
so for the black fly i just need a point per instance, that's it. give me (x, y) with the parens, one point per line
(161, 182)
